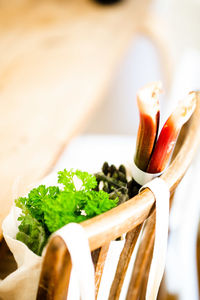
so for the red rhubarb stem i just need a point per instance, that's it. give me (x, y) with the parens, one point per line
(167, 139)
(149, 110)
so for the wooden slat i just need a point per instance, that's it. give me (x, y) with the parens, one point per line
(100, 266)
(145, 278)
(124, 259)
(142, 259)
(139, 278)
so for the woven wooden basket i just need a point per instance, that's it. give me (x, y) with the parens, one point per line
(124, 219)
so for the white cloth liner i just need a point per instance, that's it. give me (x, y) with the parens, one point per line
(21, 284)
(161, 193)
(29, 264)
(76, 241)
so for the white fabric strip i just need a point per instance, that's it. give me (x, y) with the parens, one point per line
(161, 193)
(142, 177)
(82, 266)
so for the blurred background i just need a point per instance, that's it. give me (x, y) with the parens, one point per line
(169, 52)
(70, 67)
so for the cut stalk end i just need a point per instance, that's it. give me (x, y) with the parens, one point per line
(149, 109)
(184, 109)
(169, 134)
(147, 99)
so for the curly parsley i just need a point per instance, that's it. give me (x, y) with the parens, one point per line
(46, 209)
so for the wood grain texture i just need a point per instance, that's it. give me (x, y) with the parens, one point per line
(57, 59)
(123, 263)
(100, 266)
(145, 278)
(142, 260)
(57, 261)
(139, 277)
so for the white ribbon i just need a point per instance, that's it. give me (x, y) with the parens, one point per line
(142, 177)
(76, 241)
(161, 193)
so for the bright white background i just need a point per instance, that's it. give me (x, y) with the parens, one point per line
(180, 24)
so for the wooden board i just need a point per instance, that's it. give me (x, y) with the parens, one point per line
(56, 61)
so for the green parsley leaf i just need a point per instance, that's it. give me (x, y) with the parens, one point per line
(75, 207)
(46, 209)
(32, 233)
(67, 179)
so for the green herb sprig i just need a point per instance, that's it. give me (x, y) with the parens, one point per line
(46, 209)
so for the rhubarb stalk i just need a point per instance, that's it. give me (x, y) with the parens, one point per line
(149, 110)
(169, 134)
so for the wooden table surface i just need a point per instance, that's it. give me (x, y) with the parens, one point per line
(57, 59)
